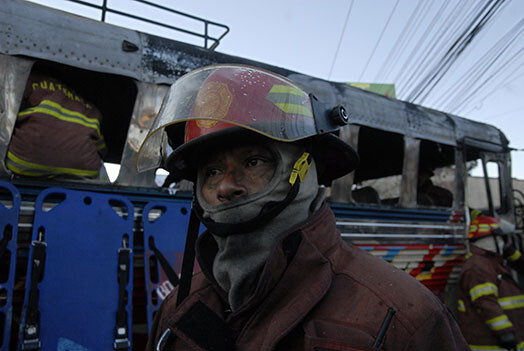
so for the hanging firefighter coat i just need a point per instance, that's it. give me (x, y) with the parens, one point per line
(490, 301)
(56, 132)
(314, 293)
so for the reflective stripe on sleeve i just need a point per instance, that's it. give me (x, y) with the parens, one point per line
(516, 255)
(486, 347)
(53, 109)
(484, 227)
(461, 306)
(511, 302)
(482, 290)
(20, 166)
(499, 323)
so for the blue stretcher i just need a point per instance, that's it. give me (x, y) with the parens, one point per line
(9, 212)
(165, 223)
(85, 292)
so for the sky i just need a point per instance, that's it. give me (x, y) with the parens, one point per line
(361, 41)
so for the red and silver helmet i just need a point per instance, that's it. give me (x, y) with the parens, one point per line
(482, 226)
(208, 104)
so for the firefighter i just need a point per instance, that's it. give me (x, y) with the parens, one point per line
(276, 274)
(490, 301)
(57, 133)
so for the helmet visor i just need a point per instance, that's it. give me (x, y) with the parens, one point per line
(221, 96)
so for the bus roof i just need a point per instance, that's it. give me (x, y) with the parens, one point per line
(106, 48)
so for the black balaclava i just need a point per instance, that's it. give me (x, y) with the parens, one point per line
(242, 256)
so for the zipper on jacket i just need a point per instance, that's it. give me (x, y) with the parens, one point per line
(383, 328)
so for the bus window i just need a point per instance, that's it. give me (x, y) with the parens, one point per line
(378, 176)
(386, 188)
(436, 175)
(101, 104)
(478, 192)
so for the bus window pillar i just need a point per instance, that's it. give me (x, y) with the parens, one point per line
(14, 72)
(341, 188)
(460, 178)
(408, 185)
(148, 101)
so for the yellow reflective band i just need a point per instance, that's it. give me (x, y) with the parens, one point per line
(13, 167)
(516, 255)
(499, 323)
(461, 306)
(511, 302)
(475, 214)
(300, 169)
(486, 347)
(285, 89)
(484, 227)
(100, 144)
(472, 228)
(520, 346)
(424, 276)
(469, 254)
(53, 109)
(294, 109)
(38, 170)
(482, 290)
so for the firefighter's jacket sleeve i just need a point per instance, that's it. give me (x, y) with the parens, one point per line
(515, 258)
(490, 302)
(482, 288)
(57, 132)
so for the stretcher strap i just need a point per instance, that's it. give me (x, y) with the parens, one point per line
(189, 258)
(166, 267)
(121, 330)
(32, 325)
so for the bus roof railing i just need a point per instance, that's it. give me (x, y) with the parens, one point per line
(105, 9)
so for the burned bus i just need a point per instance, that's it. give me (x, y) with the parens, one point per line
(83, 258)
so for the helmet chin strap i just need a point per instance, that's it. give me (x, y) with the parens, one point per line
(268, 212)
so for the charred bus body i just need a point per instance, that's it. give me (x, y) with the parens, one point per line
(380, 207)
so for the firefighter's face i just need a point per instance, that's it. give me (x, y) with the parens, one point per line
(236, 172)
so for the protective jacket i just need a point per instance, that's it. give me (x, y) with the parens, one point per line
(490, 302)
(56, 132)
(315, 293)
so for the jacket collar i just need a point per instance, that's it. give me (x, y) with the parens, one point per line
(475, 250)
(295, 278)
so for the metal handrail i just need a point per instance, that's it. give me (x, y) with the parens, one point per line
(400, 225)
(104, 8)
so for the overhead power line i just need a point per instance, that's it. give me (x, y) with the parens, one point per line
(430, 43)
(340, 39)
(395, 53)
(378, 41)
(428, 83)
(491, 63)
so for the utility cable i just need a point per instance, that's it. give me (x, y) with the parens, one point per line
(435, 68)
(505, 81)
(407, 79)
(497, 52)
(491, 76)
(378, 41)
(394, 54)
(422, 91)
(463, 82)
(427, 57)
(472, 75)
(340, 39)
